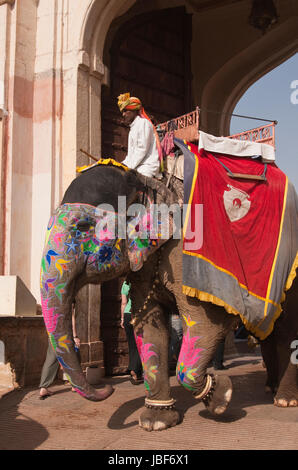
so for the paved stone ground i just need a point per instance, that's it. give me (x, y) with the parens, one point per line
(67, 421)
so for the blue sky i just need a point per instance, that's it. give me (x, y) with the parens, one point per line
(270, 98)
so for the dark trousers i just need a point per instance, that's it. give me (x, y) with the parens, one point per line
(51, 367)
(135, 363)
(176, 337)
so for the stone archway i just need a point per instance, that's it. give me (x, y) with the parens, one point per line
(91, 75)
(228, 56)
(149, 57)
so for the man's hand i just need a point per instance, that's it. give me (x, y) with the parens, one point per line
(77, 342)
(122, 322)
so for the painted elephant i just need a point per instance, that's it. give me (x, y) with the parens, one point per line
(91, 239)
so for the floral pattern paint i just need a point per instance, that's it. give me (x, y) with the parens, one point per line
(190, 354)
(143, 237)
(150, 370)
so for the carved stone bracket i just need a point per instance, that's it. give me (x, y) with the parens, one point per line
(84, 61)
(97, 68)
(94, 66)
(9, 2)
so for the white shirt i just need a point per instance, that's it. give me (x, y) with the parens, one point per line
(142, 149)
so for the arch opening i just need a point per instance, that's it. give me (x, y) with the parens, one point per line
(274, 97)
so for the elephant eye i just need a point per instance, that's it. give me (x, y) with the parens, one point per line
(83, 226)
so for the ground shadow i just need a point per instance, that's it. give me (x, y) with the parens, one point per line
(18, 431)
(248, 391)
(117, 420)
(116, 380)
(243, 362)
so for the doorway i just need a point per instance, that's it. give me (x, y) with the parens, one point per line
(150, 58)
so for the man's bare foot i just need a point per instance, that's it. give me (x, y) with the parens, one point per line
(134, 379)
(44, 393)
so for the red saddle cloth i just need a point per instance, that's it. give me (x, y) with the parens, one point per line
(240, 248)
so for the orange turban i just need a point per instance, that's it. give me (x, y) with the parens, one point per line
(126, 101)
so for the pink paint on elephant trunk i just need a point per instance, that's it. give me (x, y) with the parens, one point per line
(63, 346)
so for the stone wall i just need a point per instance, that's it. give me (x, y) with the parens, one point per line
(25, 346)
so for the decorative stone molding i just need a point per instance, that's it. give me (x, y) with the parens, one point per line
(9, 2)
(84, 61)
(97, 68)
(100, 71)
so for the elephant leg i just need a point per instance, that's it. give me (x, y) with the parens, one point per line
(152, 338)
(287, 390)
(269, 353)
(286, 329)
(205, 326)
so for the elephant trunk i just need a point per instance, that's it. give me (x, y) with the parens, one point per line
(66, 253)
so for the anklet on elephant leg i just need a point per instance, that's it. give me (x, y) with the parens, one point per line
(208, 390)
(160, 404)
(206, 399)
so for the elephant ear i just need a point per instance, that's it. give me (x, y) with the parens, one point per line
(150, 221)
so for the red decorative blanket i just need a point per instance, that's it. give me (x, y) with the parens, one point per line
(242, 252)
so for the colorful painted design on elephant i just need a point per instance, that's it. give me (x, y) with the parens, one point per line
(144, 233)
(59, 343)
(78, 389)
(150, 371)
(188, 361)
(50, 318)
(73, 237)
(67, 242)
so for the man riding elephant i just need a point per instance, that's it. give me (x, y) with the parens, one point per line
(144, 151)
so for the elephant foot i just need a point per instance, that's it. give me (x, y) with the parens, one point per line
(158, 417)
(284, 403)
(217, 393)
(97, 395)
